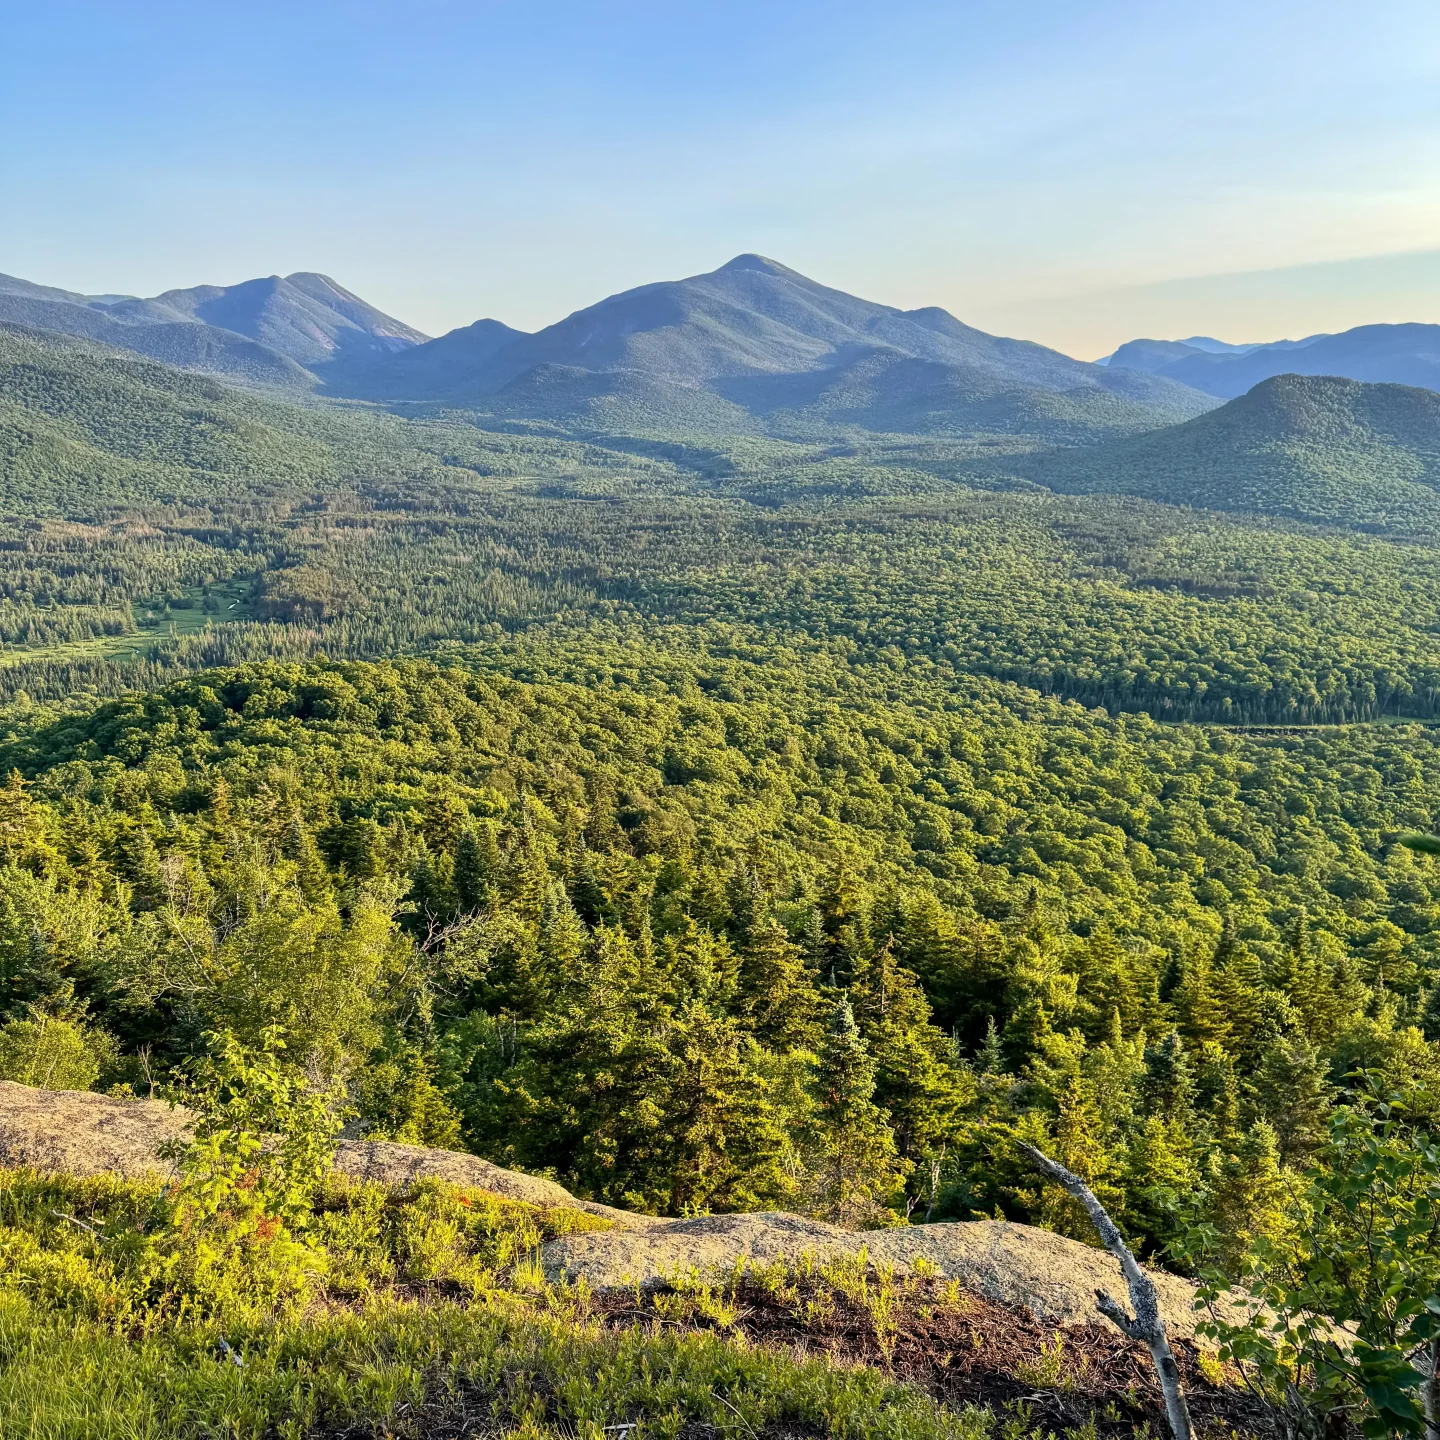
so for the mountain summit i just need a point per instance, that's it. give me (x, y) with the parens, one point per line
(753, 347)
(757, 339)
(305, 316)
(1309, 447)
(272, 331)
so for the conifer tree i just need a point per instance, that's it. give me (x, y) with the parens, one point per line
(1168, 1086)
(310, 872)
(1199, 1014)
(1430, 1014)
(140, 864)
(749, 905)
(776, 1000)
(1106, 984)
(429, 896)
(724, 1139)
(917, 1081)
(845, 918)
(587, 894)
(1250, 1197)
(1293, 959)
(560, 944)
(851, 1162)
(602, 830)
(700, 965)
(990, 1058)
(1294, 1095)
(477, 867)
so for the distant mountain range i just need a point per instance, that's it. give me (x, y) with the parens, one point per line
(750, 348)
(81, 421)
(753, 347)
(1383, 354)
(757, 347)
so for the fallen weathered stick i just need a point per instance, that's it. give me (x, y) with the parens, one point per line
(1146, 1324)
(61, 1215)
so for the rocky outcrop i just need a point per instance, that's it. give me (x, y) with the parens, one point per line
(73, 1132)
(77, 1133)
(1017, 1266)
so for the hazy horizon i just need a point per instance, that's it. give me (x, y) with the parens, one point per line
(1078, 179)
(1384, 289)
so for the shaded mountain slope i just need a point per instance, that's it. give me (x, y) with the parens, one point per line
(883, 390)
(752, 348)
(271, 332)
(428, 370)
(1310, 447)
(180, 343)
(754, 317)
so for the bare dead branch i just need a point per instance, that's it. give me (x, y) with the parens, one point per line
(1146, 1324)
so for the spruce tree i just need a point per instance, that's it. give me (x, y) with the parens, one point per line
(140, 864)
(990, 1058)
(1171, 977)
(429, 897)
(749, 905)
(777, 1001)
(1199, 1014)
(587, 894)
(1249, 1197)
(560, 943)
(1167, 1088)
(1430, 1014)
(845, 918)
(917, 1080)
(1107, 984)
(723, 1139)
(299, 846)
(602, 830)
(477, 865)
(852, 1165)
(1293, 1093)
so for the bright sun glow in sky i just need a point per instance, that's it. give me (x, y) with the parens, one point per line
(1073, 173)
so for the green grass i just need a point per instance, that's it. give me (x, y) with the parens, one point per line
(414, 1371)
(157, 620)
(432, 1317)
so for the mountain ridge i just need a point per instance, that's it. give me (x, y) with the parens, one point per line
(738, 343)
(274, 332)
(1398, 354)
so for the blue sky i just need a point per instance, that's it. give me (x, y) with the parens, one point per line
(1075, 173)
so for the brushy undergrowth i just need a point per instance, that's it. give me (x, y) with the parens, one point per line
(259, 1293)
(429, 1316)
(412, 1371)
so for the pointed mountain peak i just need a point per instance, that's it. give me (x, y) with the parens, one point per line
(757, 262)
(318, 286)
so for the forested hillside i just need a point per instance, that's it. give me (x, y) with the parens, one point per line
(716, 822)
(483, 897)
(1313, 448)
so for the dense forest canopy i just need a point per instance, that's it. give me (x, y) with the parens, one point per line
(713, 820)
(616, 933)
